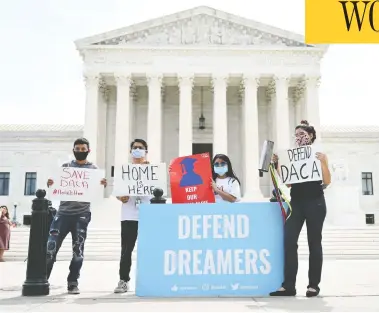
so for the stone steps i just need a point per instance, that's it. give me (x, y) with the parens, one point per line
(104, 244)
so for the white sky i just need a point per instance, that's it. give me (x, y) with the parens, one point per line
(41, 71)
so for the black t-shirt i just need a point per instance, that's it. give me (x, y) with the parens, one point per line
(308, 190)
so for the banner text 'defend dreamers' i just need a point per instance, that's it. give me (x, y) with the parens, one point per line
(215, 262)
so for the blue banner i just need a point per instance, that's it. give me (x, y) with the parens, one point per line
(209, 250)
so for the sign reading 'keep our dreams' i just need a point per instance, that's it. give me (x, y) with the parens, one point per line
(299, 165)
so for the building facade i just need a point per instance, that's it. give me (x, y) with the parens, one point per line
(245, 81)
(30, 153)
(197, 81)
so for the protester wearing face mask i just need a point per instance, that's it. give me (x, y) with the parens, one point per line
(225, 183)
(129, 219)
(308, 204)
(72, 217)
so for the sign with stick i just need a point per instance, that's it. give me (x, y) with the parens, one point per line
(299, 165)
(140, 179)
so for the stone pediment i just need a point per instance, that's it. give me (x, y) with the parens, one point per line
(199, 26)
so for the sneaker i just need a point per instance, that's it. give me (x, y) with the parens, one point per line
(312, 292)
(122, 287)
(281, 292)
(73, 290)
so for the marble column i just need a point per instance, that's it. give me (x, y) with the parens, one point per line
(283, 129)
(312, 104)
(122, 134)
(270, 112)
(91, 113)
(154, 119)
(270, 100)
(299, 99)
(220, 117)
(185, 115)
(298, 113)
(251, 138)
(102, 120)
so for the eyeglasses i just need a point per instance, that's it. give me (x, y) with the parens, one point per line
(221, 164)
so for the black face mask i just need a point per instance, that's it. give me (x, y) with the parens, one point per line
(80, 156)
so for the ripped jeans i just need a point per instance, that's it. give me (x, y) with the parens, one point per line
(59, 229)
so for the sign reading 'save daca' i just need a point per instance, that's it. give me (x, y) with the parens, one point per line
(341, 21)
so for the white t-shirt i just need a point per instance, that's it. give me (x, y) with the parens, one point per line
(130, 211)
(230, 186)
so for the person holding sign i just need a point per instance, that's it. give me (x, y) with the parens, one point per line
(72, 217)
(129, 219)
(308, 204)
(225, 183)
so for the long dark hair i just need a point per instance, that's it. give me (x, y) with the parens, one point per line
(304, 125)
(230, 172)
(6, 214)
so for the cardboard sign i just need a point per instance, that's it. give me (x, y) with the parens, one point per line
(140, 179)
(190, 179)
(299, 165)
(77, 184)
(210, 250)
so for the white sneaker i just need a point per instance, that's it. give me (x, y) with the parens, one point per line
(122, 287)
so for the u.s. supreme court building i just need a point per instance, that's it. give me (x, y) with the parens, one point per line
(200, 80)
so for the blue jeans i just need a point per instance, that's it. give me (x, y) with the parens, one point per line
(60, 227)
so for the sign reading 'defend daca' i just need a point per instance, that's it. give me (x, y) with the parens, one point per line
(140, 179)
(299, 165)
(209, 250)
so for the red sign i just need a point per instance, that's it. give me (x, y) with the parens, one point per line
(190, 179)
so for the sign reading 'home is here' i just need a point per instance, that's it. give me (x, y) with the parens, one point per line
(140, 179)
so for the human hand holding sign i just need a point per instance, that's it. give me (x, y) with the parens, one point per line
(322, 157)
(50, 182)
(275, 158)
(104, 182)
(123, 199)
(213, 185)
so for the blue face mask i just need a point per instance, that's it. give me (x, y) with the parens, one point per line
(138, 153)
(220, 170)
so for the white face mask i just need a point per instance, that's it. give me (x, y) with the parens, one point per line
(221, 170)
(138, 153)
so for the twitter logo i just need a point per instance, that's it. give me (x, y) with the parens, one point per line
(234, 286)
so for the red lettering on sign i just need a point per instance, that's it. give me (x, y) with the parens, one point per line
(74, 178)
